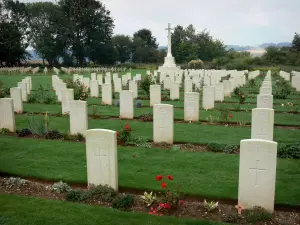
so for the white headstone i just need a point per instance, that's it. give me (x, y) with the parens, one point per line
(126, 104)
(78, 117)
(208, 99)
(265, 90)
(188, 85)
(67, 96)
(101, 155)
(16, 95)
(86, 82)
(133, 88)
(227, 88)
(7, 116)
(106, 94)
(23, 87)
(100, 79)
(107, 80)
(265, 101)
(94, 87)
(174, 91)
(262, 124)
(118, 85)
(191, 106)
(257, 174)
(155, 94)
(163, 123)
(219, 92)
(93, 76)
(167, 83)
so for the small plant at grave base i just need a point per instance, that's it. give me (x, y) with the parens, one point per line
(80, 91)
(95, 113)
(237, 91)
(15, 182)
(24, 132)
(169, 200)
(54, 135)
(117, 103)
(148, 198)
(74, 196)
(242, 98)
(225, 114)
(210, 206)
(125, 134)
(257, 214)
(139, 142)
(4, 130)
(212, 119)
(38, 125)
(102, 193)
(123, 202)
(146, 117)
(289, 151)
(239, 209)
(79, 137)
(60, 187)
(138, 104)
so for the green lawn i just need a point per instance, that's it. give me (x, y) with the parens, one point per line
(187, 133)
(242, 116)
(35, 211)
(205, 174)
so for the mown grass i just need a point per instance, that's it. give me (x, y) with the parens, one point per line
(31, 210)
(188, 133)
(206, 174)
(240, 117)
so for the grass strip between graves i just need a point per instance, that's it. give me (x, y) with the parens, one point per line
(203, 174)
(30, 210)
(187, 133)
(240, 117)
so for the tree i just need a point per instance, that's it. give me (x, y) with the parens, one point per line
(13, 30)
(296, 43)
(46, 30)
(122, 45)
(89, 27)
(148, 41)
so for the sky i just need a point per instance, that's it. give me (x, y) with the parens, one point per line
(235, 22)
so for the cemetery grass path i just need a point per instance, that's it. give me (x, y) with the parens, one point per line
(30, 210)
(203, 174)
(183, 133)
(245, 117)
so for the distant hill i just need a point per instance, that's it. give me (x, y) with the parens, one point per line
(34, 55)
(262, 46)
(281, 44)
(162, 47)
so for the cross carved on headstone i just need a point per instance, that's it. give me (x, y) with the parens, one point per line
(257, 169)
(99, 152)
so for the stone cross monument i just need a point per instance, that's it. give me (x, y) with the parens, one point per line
(169, 40)
(169, 60)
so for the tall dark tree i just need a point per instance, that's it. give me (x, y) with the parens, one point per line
(13, 31)
(296, 43)
(148, 41)
(47, 35)
(123, 46)
(89, 27)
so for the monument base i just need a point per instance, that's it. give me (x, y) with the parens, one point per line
(169, 66)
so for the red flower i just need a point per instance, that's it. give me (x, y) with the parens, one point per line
(170, 177)
(181, 202)
(127, 127)
(117, 134)
(163, 184)
(167, 206)
(162, 205)
(159, 177)
(230, 115)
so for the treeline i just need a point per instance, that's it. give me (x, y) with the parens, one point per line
(80, 32)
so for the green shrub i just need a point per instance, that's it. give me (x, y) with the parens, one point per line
(256, 215)
(54, 135)
(41, 96)
(145, 84)
(4, 130)
(224, 113)
(237, 91)
(289, 151)
(38, 125)
(4, 91)
(215, 147)
(123, 202)
(74, 196)
(100, 193)
(196, 64)
(15, 182)
(80, 91)
(60, 187)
